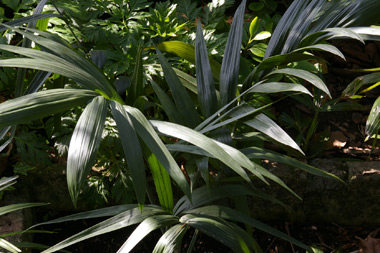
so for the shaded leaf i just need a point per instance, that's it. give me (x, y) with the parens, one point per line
(230, 214)
(182, 100)
(171, 239)
(205, 83)
(132, 150)
(146, 132)
(229, 72)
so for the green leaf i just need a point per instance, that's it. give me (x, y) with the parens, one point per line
(61, 60)
(168, 105)
(145, 227)
(283, 28)
(182, 100)
(98, 213)
(162, 182)
(323, 47)
(204, 195)
(8, 246)
(187, 51)
(305, 75)
(132, 150)
(84, 144)
(219, 230)
(262, 35)
(254, 27)
(201, 141)
(267, 126)
(373, 122)
(122, 220)
(15, 207)
(27, 19)
(7, 182)
(171, 239)
(275, 87)
(136, 88)
(205, 83)
(230, 214)
(353, 87)
(231, 61)
(146, 132)
(41, 104)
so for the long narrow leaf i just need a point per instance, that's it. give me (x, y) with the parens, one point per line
(171, 239)
(10, 208)
(162, 182)
(373, 122)
(84, 144)
(267, 126)
(119, 221)
(136, 88)
(27, 19)
(145, 227)
(305, 75)
(41, 104)
(259, 153)
(205, 83)
(8, 246)
(231, 61)
(132, 150)
(201, 141)
(182, 100)
(98, 213)
(168, 105)
(218, 229)
(276, 87)
(146, 132)
(187, 51)
(230, 214)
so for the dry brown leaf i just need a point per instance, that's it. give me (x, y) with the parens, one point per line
(369, 245)
(337, 140)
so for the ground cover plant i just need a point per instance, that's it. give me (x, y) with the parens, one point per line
(199, 137)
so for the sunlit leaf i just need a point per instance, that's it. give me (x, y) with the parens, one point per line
(14, 207)
(162, 182)
(373, 121)
(122, 220)
(8, 246)
(202, 141)
(219, 230)
(84, 144)
(171, 239)
(41, 104)
(305, 75)
(145, 227)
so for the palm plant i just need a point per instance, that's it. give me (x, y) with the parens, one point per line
(141, 139)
